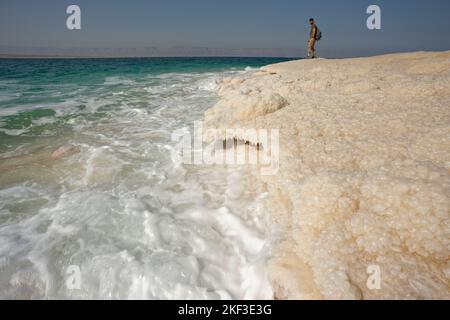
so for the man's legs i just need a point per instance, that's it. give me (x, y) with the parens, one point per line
(311, 48)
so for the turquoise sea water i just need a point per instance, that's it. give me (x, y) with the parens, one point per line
(34, 89)
(87, 179)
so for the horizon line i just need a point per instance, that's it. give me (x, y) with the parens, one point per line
(18, 57)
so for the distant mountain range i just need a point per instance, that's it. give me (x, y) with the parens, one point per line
(39, 52)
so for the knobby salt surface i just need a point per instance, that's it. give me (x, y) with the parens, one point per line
(364, 175)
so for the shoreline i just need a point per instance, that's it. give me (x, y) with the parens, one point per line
(99, 187)
(364, 172)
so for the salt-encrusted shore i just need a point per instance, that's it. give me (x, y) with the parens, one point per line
(364, 178)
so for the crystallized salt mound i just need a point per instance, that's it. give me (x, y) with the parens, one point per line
(362, 193)
(242, 103)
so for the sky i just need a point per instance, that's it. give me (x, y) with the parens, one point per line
(241, 27)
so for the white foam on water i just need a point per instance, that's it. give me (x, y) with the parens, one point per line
(138, 224)
(14, 132)
(117, 81)
(43, 121)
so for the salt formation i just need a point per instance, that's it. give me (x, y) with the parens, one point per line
(364, 175)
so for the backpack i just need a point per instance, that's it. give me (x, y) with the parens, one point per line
(318, 35)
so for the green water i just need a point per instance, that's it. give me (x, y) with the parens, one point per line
(31, 90)
(118, 205)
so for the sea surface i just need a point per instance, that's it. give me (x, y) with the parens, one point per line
(93, 202)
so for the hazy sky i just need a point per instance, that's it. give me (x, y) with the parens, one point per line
(406, 24)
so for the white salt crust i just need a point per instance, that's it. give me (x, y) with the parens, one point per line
(364, 175)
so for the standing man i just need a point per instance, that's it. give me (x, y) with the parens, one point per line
(312, 39)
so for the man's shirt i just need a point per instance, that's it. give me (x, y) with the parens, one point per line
(313, 32)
